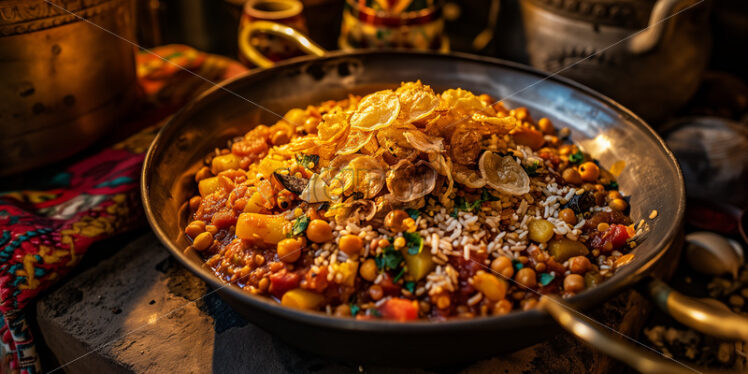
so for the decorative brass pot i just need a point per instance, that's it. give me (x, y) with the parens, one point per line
(63, 82)
(643, 53)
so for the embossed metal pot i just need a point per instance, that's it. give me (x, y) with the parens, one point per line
(648, 57)
(63, 82)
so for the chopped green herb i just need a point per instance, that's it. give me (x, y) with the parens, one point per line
(299, 225)
(414, 242)
(517, 265)
(410, 286)
(413, 213)
(546, 278)
(465, 206)
(487, 196)
(374, 312)
(307, 161)
(532, 170)
(399, 275)
(576, 157)
(389, 259)
(613, 185)
(355, 309)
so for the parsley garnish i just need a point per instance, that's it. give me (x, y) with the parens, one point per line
(410, 286)
(532, 170)
(414, 242)
(576, 157)
(546, 278)
(307, 161)
(413, 213)
(487, 196)
(465, 206)
(389, 259)
(299, 225)
(355, 309)
(374, 312)
(399, 275)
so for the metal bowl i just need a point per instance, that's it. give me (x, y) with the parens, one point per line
(605, 129)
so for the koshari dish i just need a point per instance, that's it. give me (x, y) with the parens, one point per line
(407, 204)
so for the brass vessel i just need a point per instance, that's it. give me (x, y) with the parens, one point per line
(63, 81)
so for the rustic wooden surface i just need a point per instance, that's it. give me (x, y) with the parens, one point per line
(140, 311)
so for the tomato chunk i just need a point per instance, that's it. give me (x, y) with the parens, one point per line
(399, 309)
(613, 238)
(283, 281)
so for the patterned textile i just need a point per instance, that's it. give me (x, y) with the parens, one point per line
(44, 233)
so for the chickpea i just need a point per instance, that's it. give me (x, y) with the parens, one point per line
(503, 265)
(546, 126)
(614, 194)
(527, 278)
(213, 229)
(319, 231)
(572, 176)
(263, 284)
(203, 241)
(310, 125)
(195, 202)
(384, 243)
(376, 292)
(521, 113)
(280, 138)
(289, 250)
(203, 173)
(529, 304)
(567, 215)
(443, 302)
(618, 204)
(573, 283)
(502, 307)
(602, 226)
(342, 310)
(399, 242)
(368, 270)
(579, 264)
(589, 171)
(394, 220)
(350, 244)
(259, 259)
(195, 228)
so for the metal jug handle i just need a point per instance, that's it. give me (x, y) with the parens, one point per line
(649, 38)
(694, 313)
(252, 54)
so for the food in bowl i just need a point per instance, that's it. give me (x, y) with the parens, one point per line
(407, 204)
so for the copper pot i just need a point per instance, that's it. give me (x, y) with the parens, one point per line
(646, 54)
(64, 82)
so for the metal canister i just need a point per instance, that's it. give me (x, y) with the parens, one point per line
(63, 81)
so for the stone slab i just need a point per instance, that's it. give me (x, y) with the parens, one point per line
(142, 312)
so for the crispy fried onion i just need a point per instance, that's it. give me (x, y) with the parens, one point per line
(423, 142)
(355, 173)
(407, 182)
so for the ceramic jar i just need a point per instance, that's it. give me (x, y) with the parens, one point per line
(417, 27)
